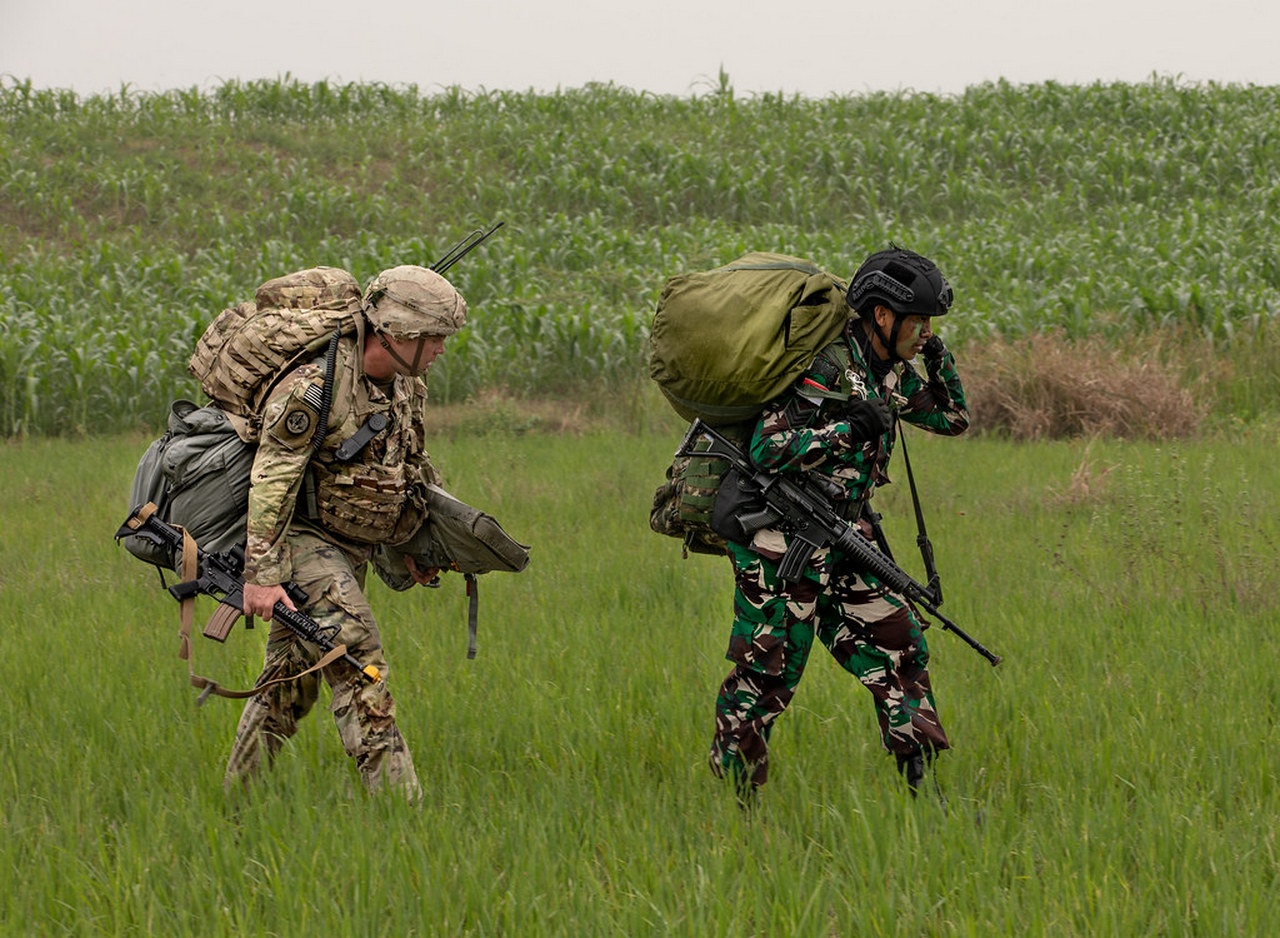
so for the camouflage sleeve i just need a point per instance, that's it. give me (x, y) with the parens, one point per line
(288, 423)
(803, 430)
(935, 402)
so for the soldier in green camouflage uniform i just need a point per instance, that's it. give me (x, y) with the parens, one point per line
(838, 421)
(316, 516)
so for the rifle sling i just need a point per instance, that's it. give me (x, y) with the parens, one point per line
(922, 536)
(216, 689)
(223, 616)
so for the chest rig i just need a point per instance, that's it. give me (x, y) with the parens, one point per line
(367, 481)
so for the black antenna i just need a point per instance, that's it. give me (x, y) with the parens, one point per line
(463, 248)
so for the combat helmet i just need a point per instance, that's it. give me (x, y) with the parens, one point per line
(408, 302)
(906, 282)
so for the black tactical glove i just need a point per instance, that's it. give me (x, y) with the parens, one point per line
(933, 351)
(868, 419)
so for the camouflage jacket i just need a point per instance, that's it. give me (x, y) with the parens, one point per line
(806, 428)
(375, 497)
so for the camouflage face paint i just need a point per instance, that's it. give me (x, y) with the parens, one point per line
(911, 336)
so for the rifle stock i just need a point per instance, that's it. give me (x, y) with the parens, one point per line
(805, 515)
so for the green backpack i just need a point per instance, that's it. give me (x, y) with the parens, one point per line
(725, 342)
(197, 476)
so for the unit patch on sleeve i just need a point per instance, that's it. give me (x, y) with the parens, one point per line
(295, 425)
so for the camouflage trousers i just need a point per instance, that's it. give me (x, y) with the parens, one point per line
(364, 712)
(872, 633)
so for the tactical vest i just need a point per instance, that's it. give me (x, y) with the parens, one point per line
(368, 479)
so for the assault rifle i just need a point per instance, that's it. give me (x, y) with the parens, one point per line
(220, 575)
(800, 508)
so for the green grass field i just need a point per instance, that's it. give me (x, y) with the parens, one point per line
(1100, 783)
(1114, 776)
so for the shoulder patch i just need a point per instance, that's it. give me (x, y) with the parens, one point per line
(296, 421)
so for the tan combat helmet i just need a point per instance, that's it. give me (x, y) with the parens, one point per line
(408, 302)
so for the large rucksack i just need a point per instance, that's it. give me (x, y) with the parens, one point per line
(725, 342)
(197, 476)
(248, 347)
(197, 472)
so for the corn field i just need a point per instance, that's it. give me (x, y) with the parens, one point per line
(127, 221)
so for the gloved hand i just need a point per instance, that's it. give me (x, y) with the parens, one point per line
(933, 350)
(868, 419)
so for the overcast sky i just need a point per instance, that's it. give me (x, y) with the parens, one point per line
(813, 47)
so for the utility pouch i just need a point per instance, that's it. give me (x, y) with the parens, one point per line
(682, 505)
(739, 510)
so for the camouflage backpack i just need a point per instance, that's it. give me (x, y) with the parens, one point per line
(197, 472)
(249, 346)
(725, 342)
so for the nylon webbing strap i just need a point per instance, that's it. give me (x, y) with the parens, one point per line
(186, 616)
(216, 689)
(187, 609)
(187, 606)
(473, 612)
(190, 568)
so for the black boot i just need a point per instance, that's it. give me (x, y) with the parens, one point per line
(912, 769)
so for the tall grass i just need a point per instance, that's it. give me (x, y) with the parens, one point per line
(128, 220)
(1113, 776)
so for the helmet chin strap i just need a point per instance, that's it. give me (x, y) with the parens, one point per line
(889, 342)
(414, 370)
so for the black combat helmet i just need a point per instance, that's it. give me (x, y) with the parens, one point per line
(906, 282)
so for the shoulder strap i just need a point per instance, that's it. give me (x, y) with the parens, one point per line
(831, 365)
(934, 586)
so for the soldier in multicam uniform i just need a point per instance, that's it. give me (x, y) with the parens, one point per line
(315, 517)
(838, 421)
